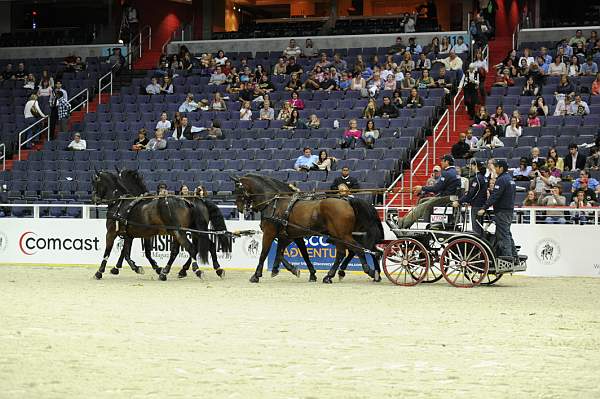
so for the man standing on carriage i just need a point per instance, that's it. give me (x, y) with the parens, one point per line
(503, 201)
(477, 194)
(447, 186)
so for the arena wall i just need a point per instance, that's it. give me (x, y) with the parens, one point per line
(553, 250)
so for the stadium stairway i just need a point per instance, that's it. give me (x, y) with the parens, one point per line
(498, 48)
(443, 146)
(149, 60)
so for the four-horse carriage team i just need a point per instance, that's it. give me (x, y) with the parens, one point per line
(445, 248)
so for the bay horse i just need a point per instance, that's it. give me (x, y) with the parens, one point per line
(145, 218)
(209, 213)
(335, 217)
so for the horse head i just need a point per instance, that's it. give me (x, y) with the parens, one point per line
(132, 182)
(105, 187)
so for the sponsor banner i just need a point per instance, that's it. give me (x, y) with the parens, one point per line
(553, 250)
(82, 242)
(321, 252)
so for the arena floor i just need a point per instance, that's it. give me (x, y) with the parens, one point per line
(65, 335)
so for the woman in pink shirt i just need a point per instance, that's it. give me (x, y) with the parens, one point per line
(532, 119)
(351, 134)
(296, 102)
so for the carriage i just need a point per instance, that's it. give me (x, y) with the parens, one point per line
(446, 249)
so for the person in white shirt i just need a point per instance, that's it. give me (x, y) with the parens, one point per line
(293, 50)
(153, 87)
(189, 105)
(527, 57)
(220, 59)
(579, 107)
(246, 112)
(460, 46)
(452, 62)
(513, 130)
(32, 108)
(471, 140)
(77, 144)
(163, 123)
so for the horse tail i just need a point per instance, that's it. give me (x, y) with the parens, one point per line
(218, 223)
(368, 222)
(202, 241)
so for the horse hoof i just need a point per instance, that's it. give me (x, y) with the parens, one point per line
(312, 278)
(182, 274)
(254, 279)
(162, 277)
(274, 273)
(377, 277)
(220, 272)
(296, 272)
(114, 271)
(341, 274)
(158, 270)
(199, 274)
(98, 276)
(140, 270)
(327, 280)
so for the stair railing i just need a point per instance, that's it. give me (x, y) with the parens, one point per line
(438, 130)
(107, 77)
(391, 189)
(178, 33)
(84, 102)
(3, 156)
(457, 101)
(415, 168)
(135, 46)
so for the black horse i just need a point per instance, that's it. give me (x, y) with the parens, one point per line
(209, 213)
(335, 217)
(145, 218)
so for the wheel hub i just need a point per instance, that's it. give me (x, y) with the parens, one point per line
(405, 262)
(463, 263)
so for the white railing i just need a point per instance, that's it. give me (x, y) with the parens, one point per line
(33, 136)
(109, 85)
(439, 128)
(457, 101)
(391, 189)
(84, 102)
(415, 168)
(135, 45)
(515, 36)
(3, 156)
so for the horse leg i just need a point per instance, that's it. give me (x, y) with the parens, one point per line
(127, 250)
(374, 274)
(344, 265)
(115, 270)
(215, 259)
(172, 257)
(148, 254)
(190, 249)
(267, 240)
(311, 269)
(340, 251)
(111, 234)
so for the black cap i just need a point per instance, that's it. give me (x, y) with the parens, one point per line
(448, 158)
(501, 163)
(478, 163)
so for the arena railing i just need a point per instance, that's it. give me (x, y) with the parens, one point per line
(424, 161)
(84, 102)
(438, 130)
(135, 46)
(3, 156)
(109, 85)
(457, 101)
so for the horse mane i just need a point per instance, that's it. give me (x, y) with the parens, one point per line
(127, 177)
(277, 186)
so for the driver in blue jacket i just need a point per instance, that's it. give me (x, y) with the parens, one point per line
(477, 194)
(502, 200)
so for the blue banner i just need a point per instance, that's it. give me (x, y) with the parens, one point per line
(321, 253)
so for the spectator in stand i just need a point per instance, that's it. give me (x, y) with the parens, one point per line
(489, 140)
(234, 85)
(351, 134)
(408, 82)
(407, 64)
(541, 108)
(530, 88)
(504, 80)
(370, 109)
(413, 47)
(398, 47)
(267, 113)
(554, 199)
(390, 83)
(21, 73)
(141, 141)
(460, 47)
(461, 149)
(397, 100)
(246, 92)
(116, 59)
(246, 111)
(535, 157)
(370, 134)
(313, 122)
(453, 63)
(293, 67)
(32, 112)
(153, 87)
(161, 189)
(218, 104)
(561, 108)
(500, 120)
(551, 165)
(593, 161)
(532, 119)
(579, 107)
(513, 130)
(346, 81)
(375, 84)
(387, 109)
(176, 121)
(44, 90)
(560, 164)
(294, 84)
(543, 181)
(183, 131)
(265, 85)
(444, 81)
(294, 121)
(214, 132)
(64, 111)
(325, 162)
(565, 86)
(471, 140)
(189, 105)
(77, 144)
(217, 77)
(558, 67)
(531, 199)
(584, 180)
(527, 57)
(327, 84)
(577, 39)
(482, 119)
(426, 81)
(574, 67)
(280, 67)
(409, 22)
(358, 83)
(523, 172)
(310, 50)
(589, 67)
(338, 63)
(167, 86)
(306, 161)
(471, 89)
(8, 72)
(423, 62)
(158, 142)
(163, 122)
(346, 179)
(29, 82)
(295, 101)
(311, 82)
(580, 201)
(220, 59)
(292, 50)
(414, 100)
(285, 112)
(596, 85)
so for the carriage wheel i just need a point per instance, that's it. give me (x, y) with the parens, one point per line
(491, 279)
(464, 263)
(406, 262)
(434, 273)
